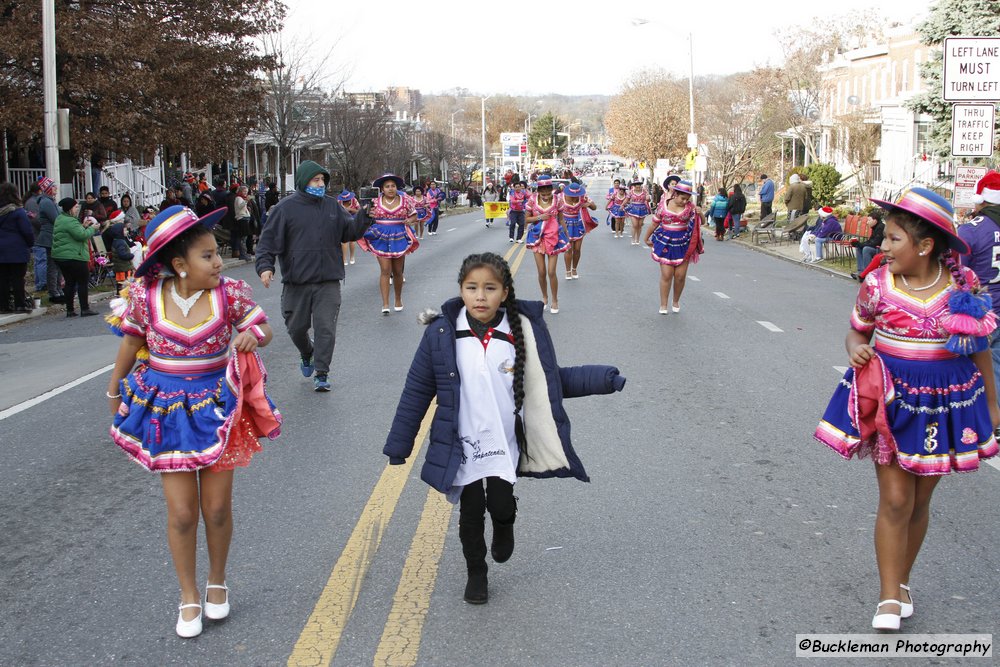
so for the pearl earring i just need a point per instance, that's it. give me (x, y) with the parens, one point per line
(183, 274)
(921, 253)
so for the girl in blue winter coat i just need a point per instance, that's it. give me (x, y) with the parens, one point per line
(489, 360)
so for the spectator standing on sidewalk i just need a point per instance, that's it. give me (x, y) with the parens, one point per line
(70, 241)
(766, 196)
(304, 232)
(47, 214)
(736, 208)
(16, 240)
(981, 233)
(795, 197)
(717, 211)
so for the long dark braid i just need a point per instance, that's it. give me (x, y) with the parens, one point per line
(501, 269)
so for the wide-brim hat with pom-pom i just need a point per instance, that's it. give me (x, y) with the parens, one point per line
(168, 224)
(932, 208)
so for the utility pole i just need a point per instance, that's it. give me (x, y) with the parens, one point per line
(50, 116)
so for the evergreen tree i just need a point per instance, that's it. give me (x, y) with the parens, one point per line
(544, 135)
(949, 18)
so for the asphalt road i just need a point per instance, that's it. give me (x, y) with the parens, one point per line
(713, 531)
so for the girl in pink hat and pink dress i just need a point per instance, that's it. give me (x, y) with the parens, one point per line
(919, 398)
(675, 237)
(547, 237)
(636, 207)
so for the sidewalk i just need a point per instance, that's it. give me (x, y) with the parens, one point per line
(790, 253)
(97, 297)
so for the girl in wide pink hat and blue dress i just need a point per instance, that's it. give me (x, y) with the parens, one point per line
(195, 407)
(919, 398)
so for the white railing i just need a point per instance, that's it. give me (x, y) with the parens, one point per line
(141, 183)
(23, 178)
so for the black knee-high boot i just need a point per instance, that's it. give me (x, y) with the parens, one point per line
(473, 539)
(503, 537)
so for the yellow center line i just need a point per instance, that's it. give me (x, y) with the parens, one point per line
(510, 253)
(317, 644)
(400, 642)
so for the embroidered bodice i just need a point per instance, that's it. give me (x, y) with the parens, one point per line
(203, 347)
(404, 208)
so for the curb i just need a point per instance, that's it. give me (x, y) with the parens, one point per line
(96, 298)
(792, 260)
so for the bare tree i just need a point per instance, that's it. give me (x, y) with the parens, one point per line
(740, 122)
(297, 88)
(858, 142)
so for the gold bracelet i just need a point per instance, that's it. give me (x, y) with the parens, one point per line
(108, 394)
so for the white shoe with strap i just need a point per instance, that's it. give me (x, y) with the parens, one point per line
(886, 621)
(216, 612)
(906, 608)
(188, 629)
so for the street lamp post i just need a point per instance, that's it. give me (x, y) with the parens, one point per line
(691, 138)
(482, 183)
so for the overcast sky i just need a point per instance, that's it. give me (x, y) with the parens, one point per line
(570, 48)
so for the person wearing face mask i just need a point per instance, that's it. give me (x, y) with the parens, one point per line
(304, 232)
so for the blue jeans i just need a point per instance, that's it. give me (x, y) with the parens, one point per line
(819, 247)
(735, 218)
(865, 256)
(41, 256)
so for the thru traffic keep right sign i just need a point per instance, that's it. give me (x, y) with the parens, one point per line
(972, 130)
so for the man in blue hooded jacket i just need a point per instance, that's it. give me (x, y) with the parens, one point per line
(304, 231)
(766, 196)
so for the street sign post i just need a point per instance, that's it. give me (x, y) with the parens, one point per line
(972, 130)
(965, 185)
(971, 69)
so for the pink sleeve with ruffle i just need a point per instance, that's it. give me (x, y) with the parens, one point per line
(135, 319)
(866, 306)
(242, 312)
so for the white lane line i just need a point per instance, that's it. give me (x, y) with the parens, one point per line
(721, 295)
(452, 229)
(769, 326)
(21, 407)
(993, 462)
(840, 369)
(694, 278)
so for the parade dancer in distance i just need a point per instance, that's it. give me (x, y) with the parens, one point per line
(919, 398)
(509, 422)
(195, 407)
(637, 208)
(575, 207)
(517, 200)
(351, 204)
(435, 196)
(424, 212)
(546, 237)
(674, 234)
(612, 191)
(390, 237)
(616, 209)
